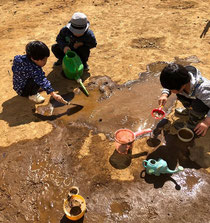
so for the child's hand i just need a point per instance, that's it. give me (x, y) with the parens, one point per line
(163, 99)
(66, 48)
(78, 44)
(59, 98)
(202, 127)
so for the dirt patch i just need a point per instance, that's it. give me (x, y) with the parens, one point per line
(154, 43)
(52, 154)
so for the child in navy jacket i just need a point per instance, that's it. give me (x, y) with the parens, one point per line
(75, 36)
(28, 76)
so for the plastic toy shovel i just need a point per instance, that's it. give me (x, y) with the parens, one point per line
(158, 113)
(124, 139)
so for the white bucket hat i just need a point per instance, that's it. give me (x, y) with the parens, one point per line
(78, 23)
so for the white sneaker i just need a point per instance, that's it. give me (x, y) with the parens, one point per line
(37, 98)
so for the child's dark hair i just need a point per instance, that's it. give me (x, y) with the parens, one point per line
(174, 76)
(37, 50)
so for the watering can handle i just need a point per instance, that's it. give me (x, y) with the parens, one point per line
(144, 161)
(141, 132)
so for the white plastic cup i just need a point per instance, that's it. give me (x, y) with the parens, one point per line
(185, 134)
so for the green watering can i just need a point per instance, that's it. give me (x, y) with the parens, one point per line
(73, 68)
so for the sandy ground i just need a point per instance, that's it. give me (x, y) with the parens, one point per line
(130, 35)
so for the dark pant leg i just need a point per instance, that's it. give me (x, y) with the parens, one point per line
(195, 105)
(31, 88)
(197, 109)
(185, 101)
(57, 51)
(84, 53)
(198, 106)
(197, 113)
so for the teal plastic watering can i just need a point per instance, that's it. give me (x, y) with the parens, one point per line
(73, 68)
(159, 167)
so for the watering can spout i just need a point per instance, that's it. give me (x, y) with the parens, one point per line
(83, 87)
(180, 168)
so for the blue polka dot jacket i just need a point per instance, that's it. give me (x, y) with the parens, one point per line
(23, 69)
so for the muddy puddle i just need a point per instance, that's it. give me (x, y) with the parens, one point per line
(111, 106)
(36, 175)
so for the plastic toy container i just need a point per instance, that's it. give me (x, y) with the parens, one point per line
(73, 68)
(72, 65)
(74, 207)
(185, 134)
(124, 139)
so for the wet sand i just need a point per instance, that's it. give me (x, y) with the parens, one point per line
(36, 177)
(37, 174)
(42, 156)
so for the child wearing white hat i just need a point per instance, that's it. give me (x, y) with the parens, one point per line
(75, 36)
